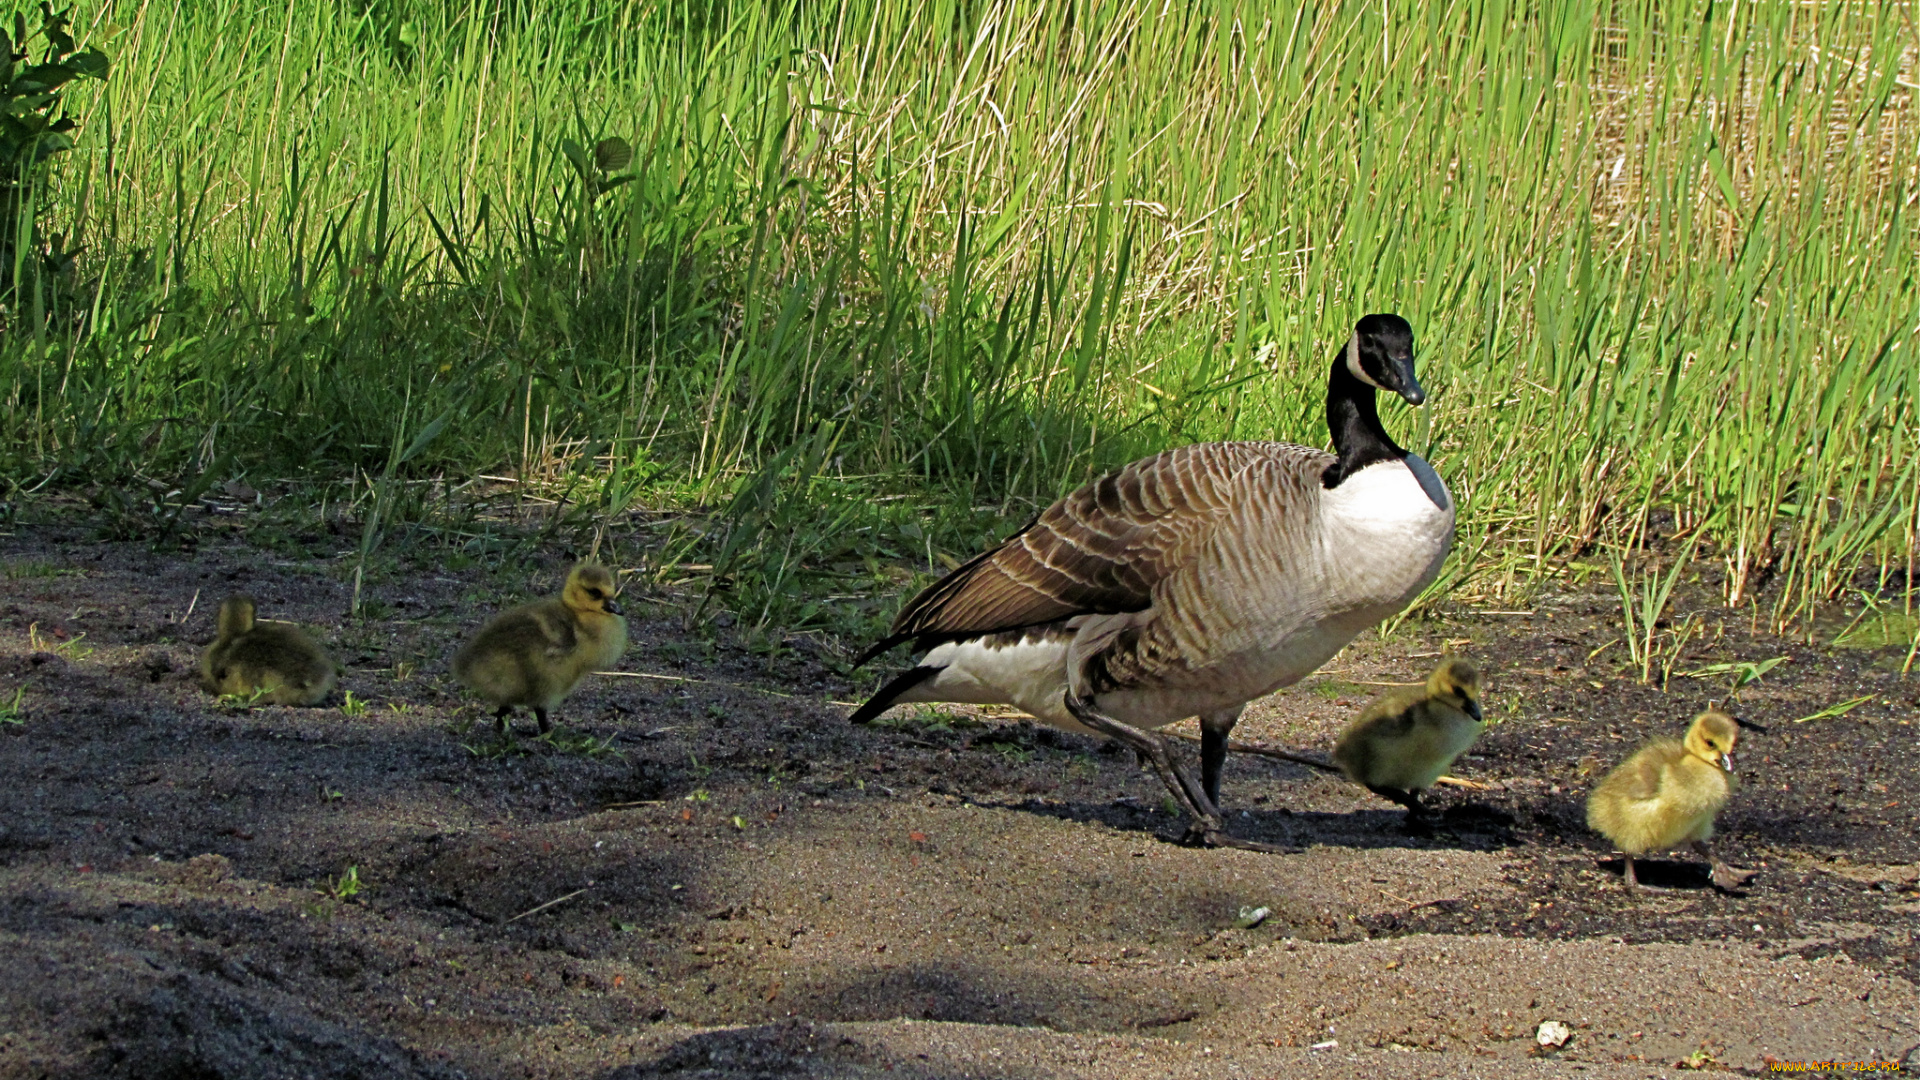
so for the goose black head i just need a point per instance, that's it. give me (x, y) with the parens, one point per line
(1380, 354)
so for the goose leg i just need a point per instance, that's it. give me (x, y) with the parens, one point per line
(1214, 729)
(500, 719)
(1725, 878)
(1208, 826)
(540, 714)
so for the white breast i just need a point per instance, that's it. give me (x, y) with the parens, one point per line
(1385, 532)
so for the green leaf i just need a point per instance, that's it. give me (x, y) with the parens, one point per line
(1838, 709)
(1717, 165)
(90, 63)
(577, 154)
(427, 435)
(42, 78)
(612, 155)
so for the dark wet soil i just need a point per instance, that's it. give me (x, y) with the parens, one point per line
(708, 872)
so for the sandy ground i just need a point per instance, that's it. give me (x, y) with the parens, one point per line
(712, 874)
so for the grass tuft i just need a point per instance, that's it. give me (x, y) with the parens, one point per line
(797, 295)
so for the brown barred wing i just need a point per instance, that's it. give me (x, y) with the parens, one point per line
(1102, 549)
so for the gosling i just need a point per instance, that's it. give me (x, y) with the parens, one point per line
(1407, 739)
(534, 654)
(1668, 792)
(276, 662)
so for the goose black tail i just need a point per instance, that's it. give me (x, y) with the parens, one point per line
(881, 646)
(883, 700)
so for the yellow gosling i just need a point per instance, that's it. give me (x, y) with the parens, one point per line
(276, 660)
(534, 654)
(1407, 739)
(1668, 793)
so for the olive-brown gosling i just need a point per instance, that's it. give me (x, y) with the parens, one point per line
(1668, 793)
(277, 661)
(534, 654)
(1407, 739)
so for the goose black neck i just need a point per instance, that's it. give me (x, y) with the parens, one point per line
(1354, 423)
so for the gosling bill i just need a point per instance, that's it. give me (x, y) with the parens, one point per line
(534, 654)
(1668, 793)
(275, 662)
(1406, 740)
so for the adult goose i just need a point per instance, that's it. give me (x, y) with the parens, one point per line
(1192, 582)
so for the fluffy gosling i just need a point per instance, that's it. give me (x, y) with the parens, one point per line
(275, 660)
(534, 654)
(1668, 792)
(1407, 739)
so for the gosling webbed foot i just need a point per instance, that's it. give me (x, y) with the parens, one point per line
(1729, 879)
(1725, 877)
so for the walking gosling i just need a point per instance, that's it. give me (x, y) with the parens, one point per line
(1407, 739)
(1669, 792)
(276, 660)
(533, 654)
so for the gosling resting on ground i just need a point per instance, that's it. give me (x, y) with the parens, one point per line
(1406, 740)
(1668, 793)
(249, 657)
(533, 655)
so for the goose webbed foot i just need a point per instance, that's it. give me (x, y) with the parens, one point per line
(1208, 827)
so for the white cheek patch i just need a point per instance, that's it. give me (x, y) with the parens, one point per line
(1353, 362)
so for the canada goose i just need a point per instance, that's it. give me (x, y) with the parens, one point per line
(534, 654)
(1191, 582)
(1405, 739)
(276, 660)
(1669, 792)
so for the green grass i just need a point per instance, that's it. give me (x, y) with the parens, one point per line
(881, 277)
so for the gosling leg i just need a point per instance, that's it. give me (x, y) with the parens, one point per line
(1208, 827)
(1724, 877)
(1416, 822)
(501, 718)
(540, 714)
(1634, 885)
